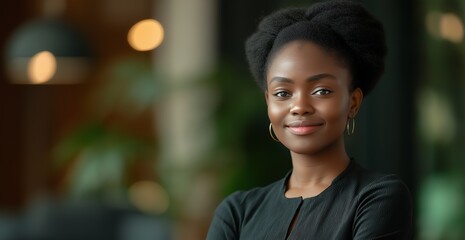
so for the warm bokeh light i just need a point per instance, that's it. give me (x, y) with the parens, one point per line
(149, 197)
(146, 35)
(42, 67)
(451, 27)
(437, 120)
(447, 26)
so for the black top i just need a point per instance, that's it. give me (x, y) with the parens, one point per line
(359, 204)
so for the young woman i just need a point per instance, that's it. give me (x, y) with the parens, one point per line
(315, 66)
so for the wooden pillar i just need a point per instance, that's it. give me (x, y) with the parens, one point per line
(185, 128)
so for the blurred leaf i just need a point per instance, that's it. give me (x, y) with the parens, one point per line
(101, 157)
(70, 146)
(98, 174)
(129, 86)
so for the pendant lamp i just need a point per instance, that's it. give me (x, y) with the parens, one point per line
(47, 50)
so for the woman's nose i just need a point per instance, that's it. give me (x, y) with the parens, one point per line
(301, 105)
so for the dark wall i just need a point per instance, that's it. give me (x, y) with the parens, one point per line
(12, 15)
(385, 138)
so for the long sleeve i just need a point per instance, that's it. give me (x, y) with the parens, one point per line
(225, 223)
(384, 211)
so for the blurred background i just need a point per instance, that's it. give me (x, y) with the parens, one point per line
(134, 119)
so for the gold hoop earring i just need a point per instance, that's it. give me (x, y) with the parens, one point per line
(270, 128)
(350, 126)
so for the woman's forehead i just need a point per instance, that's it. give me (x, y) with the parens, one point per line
(305, 55)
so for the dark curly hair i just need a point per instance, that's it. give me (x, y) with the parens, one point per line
(342, 26)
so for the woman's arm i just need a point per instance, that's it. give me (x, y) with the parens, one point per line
(384, 211)
(226, 222)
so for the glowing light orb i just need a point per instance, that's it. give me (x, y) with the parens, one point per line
(42, 67)
(149, 197)
(146, 35)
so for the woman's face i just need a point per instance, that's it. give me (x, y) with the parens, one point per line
(309, 98)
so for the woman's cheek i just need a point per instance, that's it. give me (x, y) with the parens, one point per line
(335, 111)
(275, 110)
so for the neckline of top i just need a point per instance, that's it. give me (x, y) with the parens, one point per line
(333, 183)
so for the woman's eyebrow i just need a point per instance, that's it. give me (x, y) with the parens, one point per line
(310, 79)
(320, 76)
(281, 79)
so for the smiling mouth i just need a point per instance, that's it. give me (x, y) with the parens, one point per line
(302, 128)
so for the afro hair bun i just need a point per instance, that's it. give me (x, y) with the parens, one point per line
(340, 25)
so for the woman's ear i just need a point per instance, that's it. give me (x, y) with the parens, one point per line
(356, 99)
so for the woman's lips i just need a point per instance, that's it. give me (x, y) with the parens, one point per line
(303, 127)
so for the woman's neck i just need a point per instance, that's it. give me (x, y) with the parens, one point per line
(312, 174)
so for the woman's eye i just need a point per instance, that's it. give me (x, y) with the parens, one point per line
(282, 94)
(322, 92)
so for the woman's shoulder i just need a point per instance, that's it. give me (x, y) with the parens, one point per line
(230, 213)
(382, 192)
(242, 200)
(257, 194)
(384, 206)
(369, 180)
